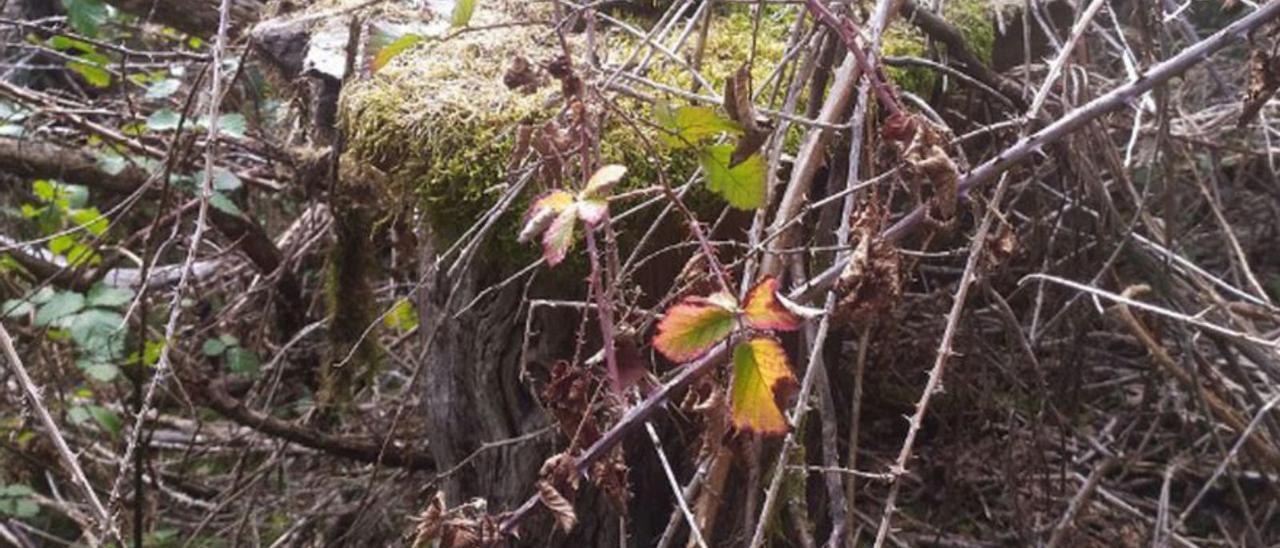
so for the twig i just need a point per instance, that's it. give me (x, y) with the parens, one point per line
(1068, 123)
(68, 458)
(944, 353)
(675, 486)
(206, 192)
(1078, 501)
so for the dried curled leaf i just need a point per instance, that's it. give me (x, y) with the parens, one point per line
(693, 326)
(466, 526)
(764, 310)
(761, 376)
(557, 488)
(1264, 80)
(871, 283)
(737, 101)
(931, 171)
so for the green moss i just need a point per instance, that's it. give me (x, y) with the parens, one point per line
(354, 354)
(440, 123)
(974, 20)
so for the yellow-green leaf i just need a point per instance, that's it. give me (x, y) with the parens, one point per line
(692, 327)
(687, 126)
(386, 54)
(760, 375)
(462, 12)
(743, 185)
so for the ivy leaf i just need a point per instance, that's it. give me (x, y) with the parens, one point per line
(603, 181)
(60, 306)
(559, 236)
(103, 372)
(686, 126)
(763, 309)
(760, 374)
(462, 12)
(742, 185)
(693, 326)
(542, 212)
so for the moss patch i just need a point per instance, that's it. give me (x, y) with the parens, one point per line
(973, 18)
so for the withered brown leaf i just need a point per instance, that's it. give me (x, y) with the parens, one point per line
(737, 101)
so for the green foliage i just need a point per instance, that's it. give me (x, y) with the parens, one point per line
(237, 358)
(402, 316)
(61, 211)
(462, 12)
(92, 321)
(85, 16)
(16, 501)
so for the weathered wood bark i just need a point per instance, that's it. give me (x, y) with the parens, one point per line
(474, 395)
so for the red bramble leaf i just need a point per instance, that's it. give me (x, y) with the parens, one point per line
(764, 310)
(760, 374)
(693, 326)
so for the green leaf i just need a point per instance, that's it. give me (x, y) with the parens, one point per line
(16, 501)
(760, 374)
(90, 219)
(462, 12)
(108, 296)
(386, 54)
(94, 74)
(693, 326)
(99, 334)
(17, 308)
(686, 126)
(151, 352)
(224, 204)
(743, 186)
(163, 120)
(163, 88)
(85, 15)
(242, 360)
(107, 419)
(111, 162)
(63, 304)
(232, 124)
(402, 316)
(213, 347)
(229, 340)
(103, 372)
(223, 179)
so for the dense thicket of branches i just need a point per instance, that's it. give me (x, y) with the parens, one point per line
(639, 272)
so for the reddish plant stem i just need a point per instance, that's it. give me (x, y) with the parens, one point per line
(1071, 121)
(848, 33)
